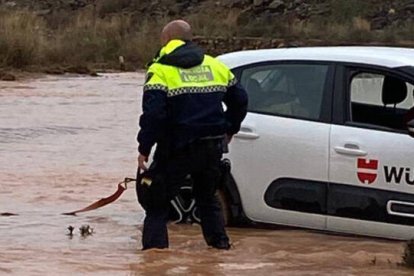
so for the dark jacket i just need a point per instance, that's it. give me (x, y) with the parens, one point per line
(185, 117)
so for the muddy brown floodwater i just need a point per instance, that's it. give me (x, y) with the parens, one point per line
(66, 141)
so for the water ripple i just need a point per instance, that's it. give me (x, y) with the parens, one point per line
(11, 135)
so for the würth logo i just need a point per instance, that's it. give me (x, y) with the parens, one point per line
(367, 170)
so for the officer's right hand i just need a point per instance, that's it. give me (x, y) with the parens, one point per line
(142, 159)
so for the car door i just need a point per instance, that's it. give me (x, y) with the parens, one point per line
(280, 156)
(371, 176)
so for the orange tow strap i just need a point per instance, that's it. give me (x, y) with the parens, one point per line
(122, 186)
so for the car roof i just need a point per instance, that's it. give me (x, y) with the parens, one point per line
(381, 56)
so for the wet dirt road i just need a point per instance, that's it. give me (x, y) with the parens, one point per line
(67, 141)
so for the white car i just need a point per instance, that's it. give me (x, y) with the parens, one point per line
(326, 144)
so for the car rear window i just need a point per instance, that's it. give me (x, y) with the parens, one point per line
(367, 88)
(381, 100)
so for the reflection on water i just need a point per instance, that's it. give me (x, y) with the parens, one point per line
(65, 142)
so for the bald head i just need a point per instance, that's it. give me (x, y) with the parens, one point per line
(177, 29)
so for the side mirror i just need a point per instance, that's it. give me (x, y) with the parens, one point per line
(410, 127)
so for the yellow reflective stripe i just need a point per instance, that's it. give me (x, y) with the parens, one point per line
(196, 90)
(232, 82)
(210, 76)
(155, 87)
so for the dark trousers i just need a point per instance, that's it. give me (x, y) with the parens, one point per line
(201, 160)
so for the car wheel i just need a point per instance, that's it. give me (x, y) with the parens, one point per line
(183, 208)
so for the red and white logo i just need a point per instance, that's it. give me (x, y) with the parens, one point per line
(367, 170)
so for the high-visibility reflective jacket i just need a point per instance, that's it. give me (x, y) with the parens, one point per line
(183, 96)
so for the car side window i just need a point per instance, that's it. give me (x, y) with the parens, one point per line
(381, 101)
(293, 90)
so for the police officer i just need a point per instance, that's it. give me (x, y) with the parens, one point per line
(182, 108)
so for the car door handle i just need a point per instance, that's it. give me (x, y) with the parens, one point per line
(350, 149)
(390, 211)
(247, 133)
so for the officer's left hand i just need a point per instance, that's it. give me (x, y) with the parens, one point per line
(141, 162)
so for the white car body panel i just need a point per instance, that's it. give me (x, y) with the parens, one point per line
(274, 154)
(388, 148)
(392, 149)
(370, 228)
(380, 56)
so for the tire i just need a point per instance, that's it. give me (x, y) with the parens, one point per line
(182, 206)
(183, 209)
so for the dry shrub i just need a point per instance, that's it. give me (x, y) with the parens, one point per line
(358, 31)
(299, 29)
(21, 38)
(140, 46)
(403, 32)
(84, 39)
(103, 41)
(361, 24)
(113, 6)
(203, 24)
(232, 18)
(344, 11)
(100, 34)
